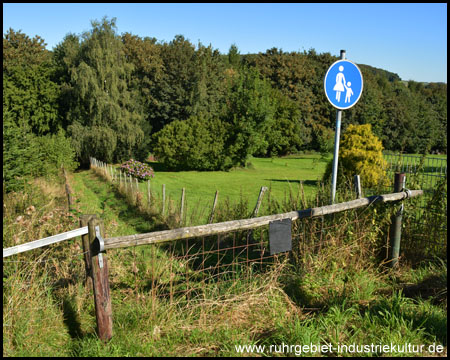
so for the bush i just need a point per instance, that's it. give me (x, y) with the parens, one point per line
(193, 144)
(137, 169)
(27, 156)
(360, 153)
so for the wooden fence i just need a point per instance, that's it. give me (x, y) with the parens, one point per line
(95, 245)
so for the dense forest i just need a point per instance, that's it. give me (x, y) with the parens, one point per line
(117, 97)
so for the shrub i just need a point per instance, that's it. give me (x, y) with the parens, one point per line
(27, 156)
(193, 144)
(360, 153)
(137, 169)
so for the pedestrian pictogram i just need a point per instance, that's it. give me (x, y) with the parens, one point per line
(343, 77)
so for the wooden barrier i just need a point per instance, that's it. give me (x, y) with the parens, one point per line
(246, 224)
(102, 297)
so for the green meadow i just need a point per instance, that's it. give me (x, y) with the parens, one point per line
(280, 175)
(340, 296)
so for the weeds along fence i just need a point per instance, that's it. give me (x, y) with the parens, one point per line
(208, 261)
(154, 202)
(426, 218)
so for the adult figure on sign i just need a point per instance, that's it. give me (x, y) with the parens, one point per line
(340, 83)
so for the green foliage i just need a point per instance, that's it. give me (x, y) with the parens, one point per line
(360, 153)
(29, 94)
(112, 93)
(105, 120)
(56, 151)
(26, 155)
(193, 144)
(249, 113)
(286, 133)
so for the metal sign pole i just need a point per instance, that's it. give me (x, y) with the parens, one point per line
(336, 146)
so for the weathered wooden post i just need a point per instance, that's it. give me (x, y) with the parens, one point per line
(103, 309)
(182, 205)
(396, 225)
(68, 191)
(148, 193)
(357, 182)
(211, 217)
(258, 203)
(84, 220)
(163, 198)
(255, 212)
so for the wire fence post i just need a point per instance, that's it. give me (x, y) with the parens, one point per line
(102, 297)
(396, 225)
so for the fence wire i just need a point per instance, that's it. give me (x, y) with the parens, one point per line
(189, 269)
(425, 219)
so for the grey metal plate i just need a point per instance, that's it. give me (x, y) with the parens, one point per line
(280, 236)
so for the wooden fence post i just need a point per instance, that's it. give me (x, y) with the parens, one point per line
(103, 309)
(357, 182)
(68, 190)
(211, 217)
(163, 198)
(182, 205)
(396, 225)
(255, 212)
(258, 203)
(148, 192)
(84, 220)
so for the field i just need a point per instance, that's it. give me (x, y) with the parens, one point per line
(340, 297)
(278, 174)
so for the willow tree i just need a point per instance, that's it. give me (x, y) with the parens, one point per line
(105, 118)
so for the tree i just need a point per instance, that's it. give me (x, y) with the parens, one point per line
(360, 153)
(172, 92)
(193, 144)
(105, 118)
(29, 94)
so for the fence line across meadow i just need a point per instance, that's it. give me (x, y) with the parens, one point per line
(428, 169)
(201, 261)
(212, 229)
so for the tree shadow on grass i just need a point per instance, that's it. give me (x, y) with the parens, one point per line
(304, 182)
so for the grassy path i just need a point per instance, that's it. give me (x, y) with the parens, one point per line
(93, 195)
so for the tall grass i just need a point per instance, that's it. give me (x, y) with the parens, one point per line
(333, 289)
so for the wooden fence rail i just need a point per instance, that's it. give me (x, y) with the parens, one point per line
(247, 224)
(95, 245)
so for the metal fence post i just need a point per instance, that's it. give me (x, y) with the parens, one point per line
(396, 225)
(103, 309)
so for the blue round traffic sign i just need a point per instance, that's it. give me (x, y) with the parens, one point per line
(343, 84)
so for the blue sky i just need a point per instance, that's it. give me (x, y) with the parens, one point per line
(407, 39)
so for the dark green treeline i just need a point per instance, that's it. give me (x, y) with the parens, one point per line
(117, 97)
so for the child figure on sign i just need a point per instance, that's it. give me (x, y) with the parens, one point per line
(349, 92)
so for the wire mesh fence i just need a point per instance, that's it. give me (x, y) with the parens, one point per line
(192, 268)
(425, 221)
